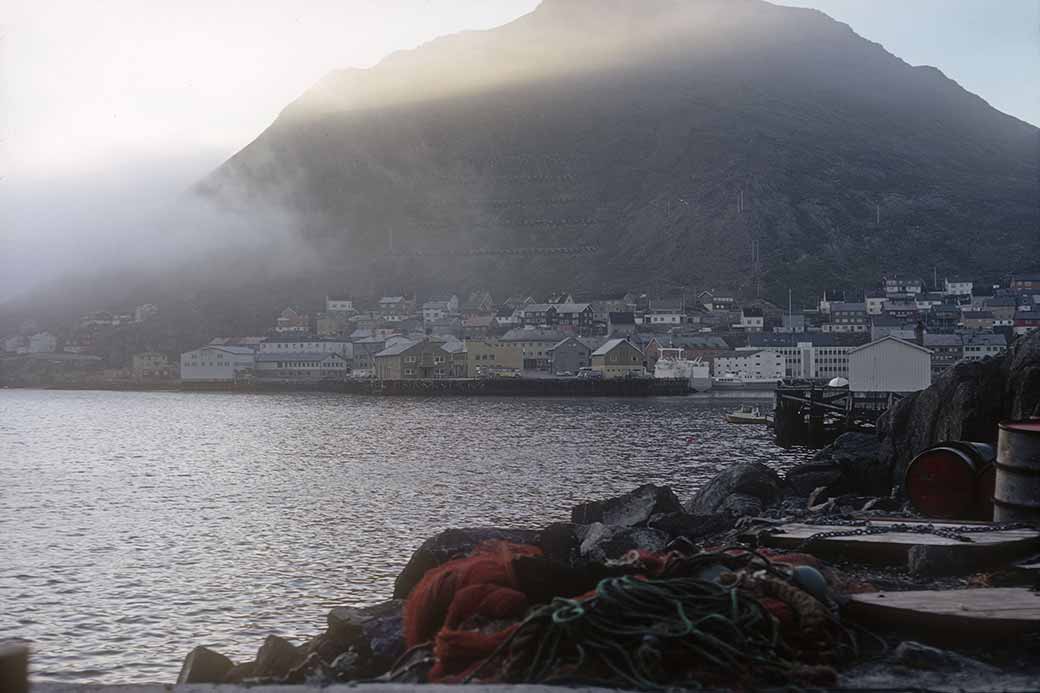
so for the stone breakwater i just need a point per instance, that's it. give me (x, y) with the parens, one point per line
(610, 537)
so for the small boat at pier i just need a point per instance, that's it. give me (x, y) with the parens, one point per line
(748, 415)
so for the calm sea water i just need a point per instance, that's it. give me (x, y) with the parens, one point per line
(135, 526)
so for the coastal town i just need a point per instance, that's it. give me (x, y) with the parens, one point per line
(712, 339)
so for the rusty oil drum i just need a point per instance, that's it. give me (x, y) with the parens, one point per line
(947, 481)
(1016, 496)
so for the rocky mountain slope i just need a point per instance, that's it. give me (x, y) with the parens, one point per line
(661, 139)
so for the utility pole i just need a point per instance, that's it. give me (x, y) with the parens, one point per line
(878, 221)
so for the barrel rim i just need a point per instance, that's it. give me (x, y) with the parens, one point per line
(1033, 426)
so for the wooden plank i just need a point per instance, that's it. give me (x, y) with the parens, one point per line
(893, 547)
(945, 615)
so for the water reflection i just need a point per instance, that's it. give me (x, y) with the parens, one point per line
(138, 525)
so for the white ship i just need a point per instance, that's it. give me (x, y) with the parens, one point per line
(672, 364)
(734, 381)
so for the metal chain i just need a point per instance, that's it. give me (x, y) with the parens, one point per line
(865, 528)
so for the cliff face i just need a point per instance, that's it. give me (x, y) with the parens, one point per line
(965, 403)
(662, 138)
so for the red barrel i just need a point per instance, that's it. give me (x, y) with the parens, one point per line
(943, 481)
(985, 488)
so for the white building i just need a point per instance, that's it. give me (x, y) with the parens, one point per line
(803, 359)
(751, 319)
(664, 317)
(340, 304)
(889, 364)
(308, 345)
(958, 287)
(875, 304)
(433, 311)
(760, 364)
(43, 343)
(216, 364)
(302, 366)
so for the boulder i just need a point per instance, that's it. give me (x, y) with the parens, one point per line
(560, 541)
(449, 544)
(806, 478)
(742, 505)
(276, 658)
(692, 527)
(749, 479)
(964, 403)
(603, 542)
(374, 634)
(203, 665)
(849, 465)
(241, 672)
(630, 510)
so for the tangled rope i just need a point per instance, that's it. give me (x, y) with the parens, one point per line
(651, 635)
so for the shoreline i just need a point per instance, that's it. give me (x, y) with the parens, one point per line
(540, 387)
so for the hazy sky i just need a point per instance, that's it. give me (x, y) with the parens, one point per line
(109, 106)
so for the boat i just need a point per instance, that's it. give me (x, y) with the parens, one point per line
(732, 381)
(748, 415)
(672, 364)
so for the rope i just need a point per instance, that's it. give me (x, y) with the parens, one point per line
(651, 635)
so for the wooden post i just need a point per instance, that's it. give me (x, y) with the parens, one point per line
(14, 668)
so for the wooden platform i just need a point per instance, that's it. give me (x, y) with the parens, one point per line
(945, 615)
(892, 547)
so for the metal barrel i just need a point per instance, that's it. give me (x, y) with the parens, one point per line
(943, 481)
(1016, 496)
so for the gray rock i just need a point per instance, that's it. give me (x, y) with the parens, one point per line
(241, 672)
(449, 544)
(276, 658)
(346, 666)
(806, 478)
(964, 403)
(742, 505)
(374, 633)
(630, 510)
(604, 542)
(915, 655)
(692, 527)
(203, 665)
(924, 560)
(560, 541)
(858, 457)
(753, 479)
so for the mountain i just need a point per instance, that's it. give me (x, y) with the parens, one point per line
(663, 140)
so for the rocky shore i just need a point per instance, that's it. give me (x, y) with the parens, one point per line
(652, 533)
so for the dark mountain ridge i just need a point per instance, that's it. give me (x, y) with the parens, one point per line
(657, 141)
(667, 136)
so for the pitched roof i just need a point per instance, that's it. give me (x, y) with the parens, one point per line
(892, 339)
(396, 349)
(985, 339)
(571, 307)
(610, 345)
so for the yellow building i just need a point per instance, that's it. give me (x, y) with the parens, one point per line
(618, 358)
(484, 356)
